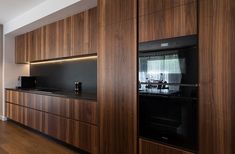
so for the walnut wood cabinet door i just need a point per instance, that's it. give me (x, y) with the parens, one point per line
(166, 19)
(21, 51)
(58, 127)
(85, 111)
(216, 76)
(32, 101)
(58, 106)
(117, 70)
(36, 51)
(85, 32)
(78, 31)
(33, 119)
(51, 48)
(85, 136)
(149, 147)
(92, 31)
(15, 112)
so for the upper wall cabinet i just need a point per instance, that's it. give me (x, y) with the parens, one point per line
(73, 36)
(21, 54)
(160, 19)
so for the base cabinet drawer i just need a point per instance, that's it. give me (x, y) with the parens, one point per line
(85, 136)
(79, 134)
(149, 147)
(33, 119)
(15, 112)
(59, 128)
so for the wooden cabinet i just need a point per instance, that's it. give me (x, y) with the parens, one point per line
(117, 70)
(21, 49)
(92, 31)
(37, 44)
(58, 106)
(85, 110)
(73, 121)
(85, 30)
(15, 112)
(216, 76)
(86, 137)
(166, 19)
(58, 127)
(149, 147)
(51, 50)
(73, 36)
(32, 118)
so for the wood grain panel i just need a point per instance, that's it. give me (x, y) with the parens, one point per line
(216, 56)
(33, 101)
(54, 117)
(68, 36)
(117, 91)
(92, 31)
(59, 128)
(168, 23)
(73, 36)
(78, 31)
(116, 11)
(15, 112)
(33, 118)
(86, 137)
(57, 105)
(85, 110)
(51, 50)
(147, 7)
(149, 147)
(232, 39)
(21, 51)
(14, 97)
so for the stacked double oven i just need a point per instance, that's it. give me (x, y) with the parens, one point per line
(168, 91)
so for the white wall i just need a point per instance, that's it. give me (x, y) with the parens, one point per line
(1, 68)
(11, 71)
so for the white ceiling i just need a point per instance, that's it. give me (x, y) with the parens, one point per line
(10, 9)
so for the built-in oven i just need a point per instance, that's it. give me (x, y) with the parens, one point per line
(168, 91)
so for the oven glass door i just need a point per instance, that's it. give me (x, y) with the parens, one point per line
(170, 66)
(169, 119)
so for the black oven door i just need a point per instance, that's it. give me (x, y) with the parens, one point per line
(168, 119)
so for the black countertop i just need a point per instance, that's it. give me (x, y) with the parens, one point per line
(57, 93)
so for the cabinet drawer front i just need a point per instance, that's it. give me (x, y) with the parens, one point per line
(58, 127)
(33, 101)
(85, 110)
(74, 109)
(33, 119)
(15, 112)
(14, 97)
(85, 137)
(58, 106)
(149, 147)
(81, 135)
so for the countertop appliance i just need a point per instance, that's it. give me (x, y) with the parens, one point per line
(168, 91)
(26, 82)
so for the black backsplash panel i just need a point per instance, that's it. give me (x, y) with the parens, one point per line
(62, 75)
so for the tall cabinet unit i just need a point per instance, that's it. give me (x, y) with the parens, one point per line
(216, 46)
(163, 19)
(117, 81)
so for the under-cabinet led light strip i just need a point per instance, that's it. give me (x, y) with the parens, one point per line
(64, 60)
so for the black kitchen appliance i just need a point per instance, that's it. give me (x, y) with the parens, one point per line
(168, 91)
(27, 82)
